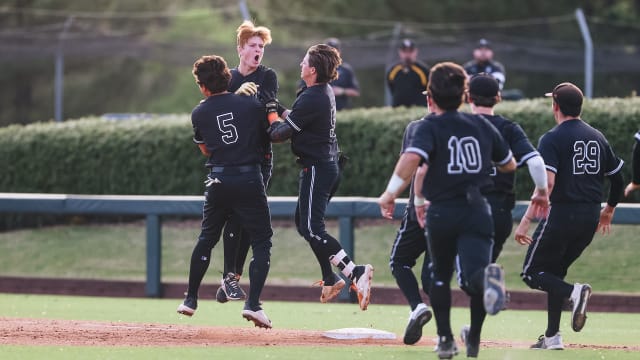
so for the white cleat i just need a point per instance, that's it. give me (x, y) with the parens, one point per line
(259, 318)
(362, 286)
(579, 297)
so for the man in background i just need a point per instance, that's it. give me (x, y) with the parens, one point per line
(407, 78)
(483, 63)
(346, 85)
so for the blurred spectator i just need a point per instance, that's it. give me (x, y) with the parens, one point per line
(407, 79)
(483, 63)
(346, 85)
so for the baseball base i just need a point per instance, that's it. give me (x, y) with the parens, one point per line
(359, 333)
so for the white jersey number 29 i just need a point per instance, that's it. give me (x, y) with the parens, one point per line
(464, 155)
(586, 157)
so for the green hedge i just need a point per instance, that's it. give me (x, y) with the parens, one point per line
(156, 156)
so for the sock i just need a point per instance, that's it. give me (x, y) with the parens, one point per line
(478, 315)
(325, 267)
(200, 259)
(342, 261)
(554, 313)
(258, 271)
(408, 283)
(440, 295)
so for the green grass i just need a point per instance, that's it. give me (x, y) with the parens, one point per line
(118, 252)
(515, 326)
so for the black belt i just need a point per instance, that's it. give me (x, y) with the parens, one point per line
(236, 169)
(312, 162)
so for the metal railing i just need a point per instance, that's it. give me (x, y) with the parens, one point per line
(345, 209)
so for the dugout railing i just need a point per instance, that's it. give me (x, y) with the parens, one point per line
(345, 209)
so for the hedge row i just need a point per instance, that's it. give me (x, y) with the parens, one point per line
(156, 156)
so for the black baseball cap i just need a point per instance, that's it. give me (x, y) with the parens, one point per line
(407, 44)
(483, 43)
(568, 97)
(333, 42)
(484, 85)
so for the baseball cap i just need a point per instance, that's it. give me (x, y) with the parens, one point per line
(407, 44)
(569, 97)
(483, 43)
(333, 42)
(484, 85)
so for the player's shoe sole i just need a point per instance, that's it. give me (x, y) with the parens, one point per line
(259, 318)
(447, 349)
(579, 297)
(472, 349)
(418, 319)
(494, 289)
(362, 287)
(549, 343)
(221, 297)
(330, 292)
(185, 310)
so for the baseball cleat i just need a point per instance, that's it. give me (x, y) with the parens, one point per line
(221, 297)
(472, 349)
(188, 306)
(231, 288)
(494, 289)
(258, 317)
(549, 343)
(362, 285)
(447, 349)
(417, 319)
(329, 292)
(579, 297)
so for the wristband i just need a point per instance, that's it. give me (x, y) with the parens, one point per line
(418, 201)
(395, 183)
(272, 117)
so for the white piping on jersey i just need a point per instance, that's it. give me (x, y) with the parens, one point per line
(458, 271)
(403, 228)
(535, 247)
(417, 151)
(551, 168)
(293, 125)
(507, 159)
(527, 157)
(616, 169)
(313, 180)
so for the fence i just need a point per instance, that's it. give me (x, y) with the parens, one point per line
(346, 209)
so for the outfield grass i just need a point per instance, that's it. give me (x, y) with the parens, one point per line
(118, 252)
(515, 326)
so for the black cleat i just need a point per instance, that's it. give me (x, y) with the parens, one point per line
(418, 318)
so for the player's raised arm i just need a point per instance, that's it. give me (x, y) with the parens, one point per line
(405, 167)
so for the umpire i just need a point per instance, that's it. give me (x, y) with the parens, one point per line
(227, 130)
(578, 158)
(458, 151)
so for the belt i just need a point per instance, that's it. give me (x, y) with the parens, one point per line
(236, 169)
(312, 162)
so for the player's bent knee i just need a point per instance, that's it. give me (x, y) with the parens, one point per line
(531, 281)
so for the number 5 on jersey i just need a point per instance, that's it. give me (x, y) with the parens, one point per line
(229, 131)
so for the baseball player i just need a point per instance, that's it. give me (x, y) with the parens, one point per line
(484, 94)
(457, 150)
(227, 132)
(409, 244)
(407, 78)
(311, 124)
(578, 158)
(251, 41)
(635, 180)
(483, 62)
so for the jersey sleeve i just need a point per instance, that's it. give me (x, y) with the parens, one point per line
(197, 136)
(302, 112)
(549, 153)
(612, 164)
(520, 145)
(268, 90)
(422, 141)
(636, 160)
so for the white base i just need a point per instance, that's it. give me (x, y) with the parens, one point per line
(359, 333)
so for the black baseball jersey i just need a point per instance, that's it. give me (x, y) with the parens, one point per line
(346, 79)
(231, 126)
(636, 159)
(313, 119)
(520, 146)
(581, 157)
(409, 131)
(459, 149)
(406, 83)
(264, 77)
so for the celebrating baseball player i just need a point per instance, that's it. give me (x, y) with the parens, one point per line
(457, 151)
(311, 125)
(255, 79)
(226, 130)
(578, 158)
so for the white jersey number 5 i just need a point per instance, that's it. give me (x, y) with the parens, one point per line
(229, 131)
(464, 155)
